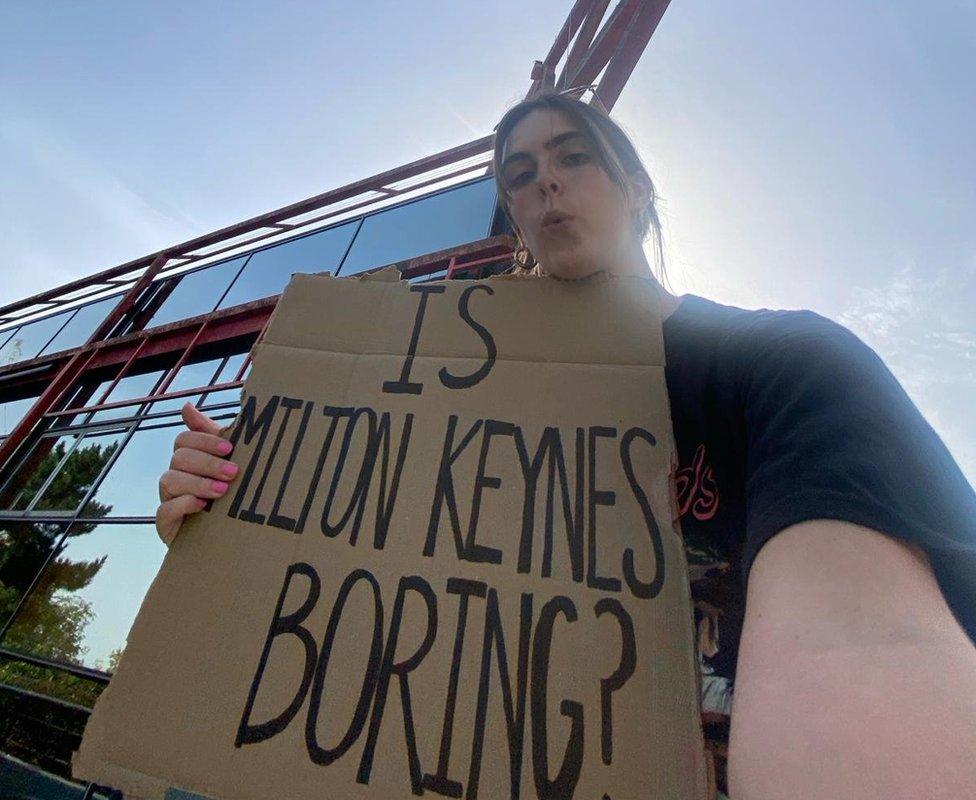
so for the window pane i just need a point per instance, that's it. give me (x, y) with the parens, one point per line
(197, 292)
(424, 226)
(227, 374)
(131, 386)
(87, 599)
(82, 324)
(5, 335)
(440, 275)
(189, 377)
(13, 412)
(79, 472)
(31, 338)
(269, 271)
(230, 369)
(130, 489)
(47, 454)
(24, 548)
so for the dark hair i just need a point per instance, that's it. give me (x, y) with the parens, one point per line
(614, 149)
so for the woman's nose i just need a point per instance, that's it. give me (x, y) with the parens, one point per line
(549, 182)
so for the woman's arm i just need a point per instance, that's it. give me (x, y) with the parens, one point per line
(854, 678)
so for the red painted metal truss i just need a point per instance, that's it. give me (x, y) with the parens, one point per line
(587, 45)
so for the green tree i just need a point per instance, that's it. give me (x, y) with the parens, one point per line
(52, 622)
(112, 663)
(25, 546)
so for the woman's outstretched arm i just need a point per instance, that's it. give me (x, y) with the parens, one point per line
(854, 678)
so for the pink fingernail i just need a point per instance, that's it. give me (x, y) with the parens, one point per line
(229, 470)
(219, 486)
(225, 447)
(201, 502)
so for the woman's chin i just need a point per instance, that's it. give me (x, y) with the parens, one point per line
(571, 270)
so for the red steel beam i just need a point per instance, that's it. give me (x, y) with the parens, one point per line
(577, 14)
(583, 40)
(414, 168)
(617, 46)
(235, 322)
(248, 318)
(629, 50)
(76, 364)
(604, 44)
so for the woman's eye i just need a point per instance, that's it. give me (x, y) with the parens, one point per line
(574, 159)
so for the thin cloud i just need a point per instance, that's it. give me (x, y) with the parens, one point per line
(89, 212)
(471, 128)
(920, 323)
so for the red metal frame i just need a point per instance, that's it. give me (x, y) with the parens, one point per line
(586, 44)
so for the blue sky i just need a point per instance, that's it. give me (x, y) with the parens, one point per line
(809, 155)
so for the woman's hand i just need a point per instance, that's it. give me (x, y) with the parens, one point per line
(197, 473)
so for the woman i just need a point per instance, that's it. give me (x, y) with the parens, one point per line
(849, 637)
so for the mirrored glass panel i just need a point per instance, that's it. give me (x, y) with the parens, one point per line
(24, 549)
(88, 597)
(5, 335)
(197, 292)
(131, 386)
(78, 473)
(189, 377)
(423, 226)
(32, 337)
(228, 400)
(228, 373)
(130, 489)
(230, 368)
(32, 474)
(269, 271)
(433, 276)
(12, 412)
(82, 324)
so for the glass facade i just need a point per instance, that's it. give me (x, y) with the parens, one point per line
(83, 610)
(11, 412)
(78, 547)
(31, 338)
(423, 226)
(268, 271)
(82, 325)
(451, 217)
(197, 292)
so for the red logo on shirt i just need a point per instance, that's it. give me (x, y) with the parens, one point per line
(696, 489)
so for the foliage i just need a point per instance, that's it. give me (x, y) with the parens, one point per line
(51, 624)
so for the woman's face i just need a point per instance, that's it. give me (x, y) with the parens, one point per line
(549, 165)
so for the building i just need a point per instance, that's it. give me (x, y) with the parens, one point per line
(93, 374)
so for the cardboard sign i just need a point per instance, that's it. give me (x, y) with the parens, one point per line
(447, 565)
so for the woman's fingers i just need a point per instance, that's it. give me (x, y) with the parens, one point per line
(197, 472)
(207, 442)
(174, 483)
(196, 462)
(198, 421)
(170, 515)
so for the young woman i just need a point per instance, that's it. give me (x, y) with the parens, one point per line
(831, 538)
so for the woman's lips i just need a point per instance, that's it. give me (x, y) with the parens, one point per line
(557, 224)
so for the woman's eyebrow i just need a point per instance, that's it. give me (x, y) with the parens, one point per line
(555, 141)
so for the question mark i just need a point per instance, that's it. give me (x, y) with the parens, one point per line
(620, 676)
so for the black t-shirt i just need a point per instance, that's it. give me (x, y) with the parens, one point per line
(786, 416)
